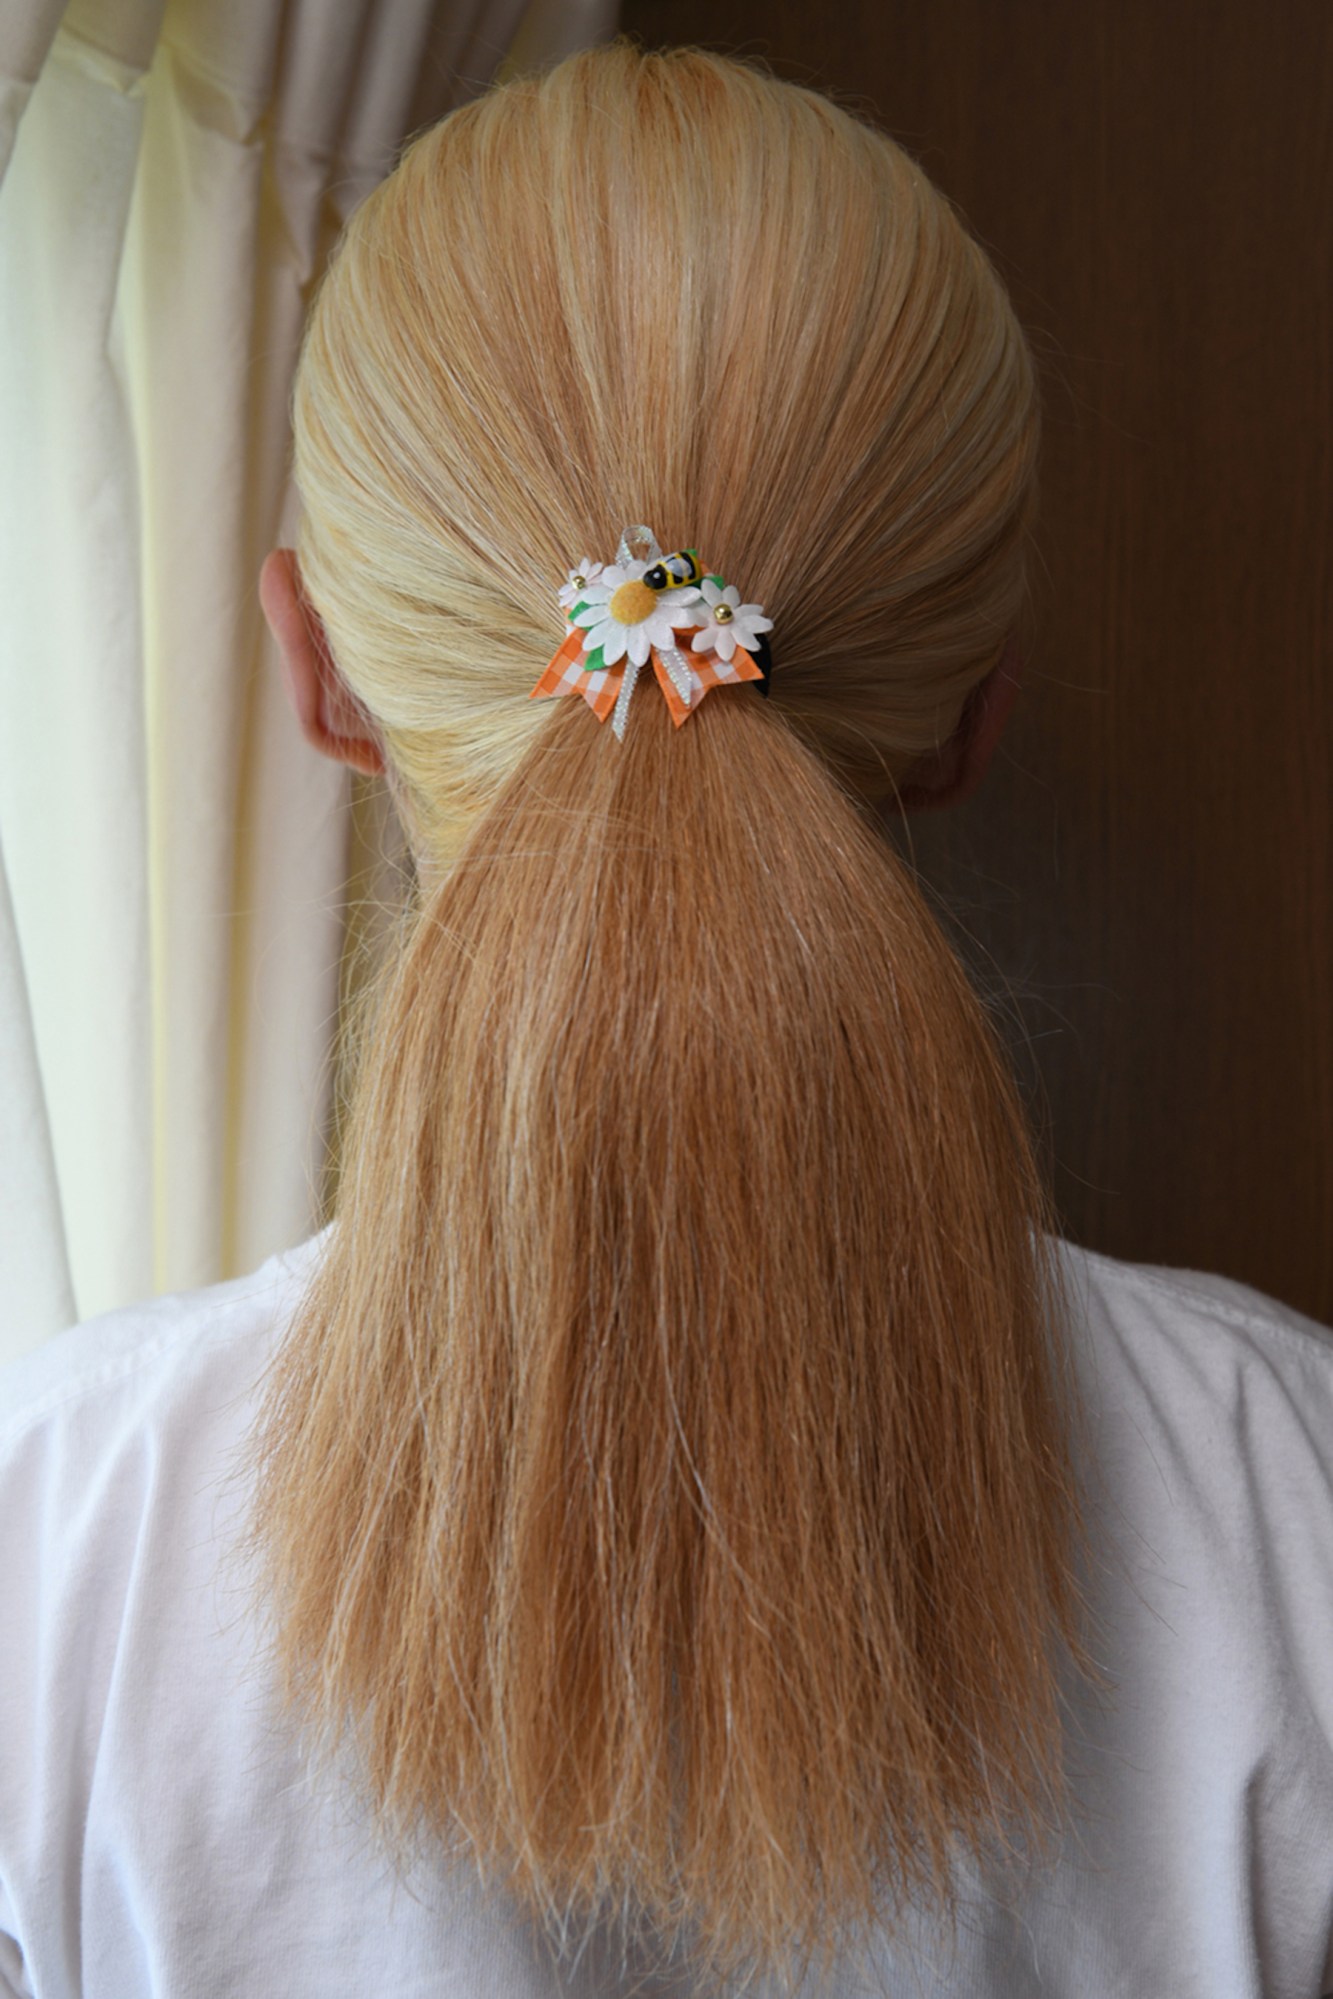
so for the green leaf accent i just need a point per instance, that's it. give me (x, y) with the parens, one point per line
(720, 581)
(593, 662)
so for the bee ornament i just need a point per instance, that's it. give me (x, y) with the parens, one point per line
(674, 572)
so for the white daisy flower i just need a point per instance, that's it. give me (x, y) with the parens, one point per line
(583, 573)
(729, 622)
(622, 616)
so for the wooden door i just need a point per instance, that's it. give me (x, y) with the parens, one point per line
(1149, 868)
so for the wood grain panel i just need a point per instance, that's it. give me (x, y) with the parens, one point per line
(1148, 871)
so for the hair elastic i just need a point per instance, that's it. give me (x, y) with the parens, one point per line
(625, 613)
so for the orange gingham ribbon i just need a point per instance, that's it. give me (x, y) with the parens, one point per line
(684, 678)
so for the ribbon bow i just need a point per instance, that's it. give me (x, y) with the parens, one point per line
(578, 665)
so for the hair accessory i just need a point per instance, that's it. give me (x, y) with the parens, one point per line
(624, 613)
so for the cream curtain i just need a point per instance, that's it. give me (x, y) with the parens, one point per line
(174, 864)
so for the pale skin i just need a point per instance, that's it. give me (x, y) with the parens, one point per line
(334, 722)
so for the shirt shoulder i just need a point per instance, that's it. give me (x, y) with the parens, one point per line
(1191, 1325)
(145, 1352)
(1197, 1298)
(1209, 1398)
(1208, 1459)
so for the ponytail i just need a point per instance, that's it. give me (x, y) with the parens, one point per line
(663, 1473)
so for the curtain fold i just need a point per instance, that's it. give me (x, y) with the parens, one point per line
(177, 860)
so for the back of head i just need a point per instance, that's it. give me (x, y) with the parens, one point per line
(665, 1479)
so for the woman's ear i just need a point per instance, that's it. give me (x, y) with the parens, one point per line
(331, 717)
(952, 773)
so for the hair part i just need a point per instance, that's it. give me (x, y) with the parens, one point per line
(665, 1481)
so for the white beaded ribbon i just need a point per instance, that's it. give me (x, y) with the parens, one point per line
(673, 659)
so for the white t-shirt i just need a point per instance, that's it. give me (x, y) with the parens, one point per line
(159, 1836)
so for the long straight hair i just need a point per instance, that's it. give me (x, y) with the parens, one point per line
(665, 1481)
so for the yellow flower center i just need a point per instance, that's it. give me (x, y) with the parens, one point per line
(632, 603)
(723, 614)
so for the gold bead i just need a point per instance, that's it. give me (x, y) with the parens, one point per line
(723, 614)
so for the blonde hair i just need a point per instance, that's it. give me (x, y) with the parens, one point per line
(665, 1481)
